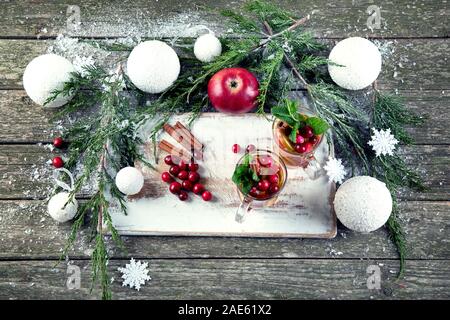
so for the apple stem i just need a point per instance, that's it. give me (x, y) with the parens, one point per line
(286, 57)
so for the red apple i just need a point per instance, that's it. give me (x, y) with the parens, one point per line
(233, 90)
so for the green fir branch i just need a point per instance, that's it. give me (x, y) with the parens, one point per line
(390, 113)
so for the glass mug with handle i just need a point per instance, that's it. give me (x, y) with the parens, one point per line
(259, 176)
(300, 153)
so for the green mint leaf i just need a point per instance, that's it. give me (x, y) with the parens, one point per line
(293, 134)
(282, 113)
(318, 125)
(292, 108)
(254, 175)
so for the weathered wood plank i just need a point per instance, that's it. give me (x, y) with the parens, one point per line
(26, 174)
(26, 231)
(170, 18)
(235, 279)
(404, 60)
(26, 122)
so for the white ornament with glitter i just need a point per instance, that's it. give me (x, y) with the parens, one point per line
(358, 63)
(135, 274)
(383, 142)
(45, 74)
(363, 204)
(335, 170)
(207, 47)
(129, 180)
(60, 207)
(153, 66)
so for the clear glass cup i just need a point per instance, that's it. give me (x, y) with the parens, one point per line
(285, 148)
(266, 164)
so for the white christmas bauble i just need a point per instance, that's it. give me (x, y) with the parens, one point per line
(207, 47)
(363, 204)
(60, 208)
(153, 66)
(45, 74)
(129, 180)
(359, 60)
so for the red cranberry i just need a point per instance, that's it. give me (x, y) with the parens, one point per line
(58, 162)
(307, 132)
(187, 185)
(193, 166)
(183, 175)
(235, 148)
(314, 139)
(183, 166)
(253, 192)
(198, 188)
(250, 148)
(274, 188)
(265, 161)
(168, 160)
(58, 142)
(166, 177)
(263, 185)
(207, 196)
(183, 196)
(193, 176)
(309, 146)
(300, 148)
(174, 170)
(273, 179)
(299, 139)
(175, 187)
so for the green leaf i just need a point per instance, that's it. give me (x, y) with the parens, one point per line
(282, 113)
(292, 109)
(293, 135)
(254, 175)
(318, 125)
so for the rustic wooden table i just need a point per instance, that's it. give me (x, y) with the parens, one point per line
(416, 35)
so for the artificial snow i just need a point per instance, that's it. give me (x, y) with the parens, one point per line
(45, 74)
(358, 63)
(207, 47)
(153, 66)
(363, 204)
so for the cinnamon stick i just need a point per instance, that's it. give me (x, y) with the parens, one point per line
(195, 146)
(175, 151)
(176, 133)
(189, 136)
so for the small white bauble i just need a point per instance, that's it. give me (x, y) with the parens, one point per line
(129, 180)
(207, 47)
(359, 60)
(60, 208)
(363, 204)
(45, 74)
(153, 66)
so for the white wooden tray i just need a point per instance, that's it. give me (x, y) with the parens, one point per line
(304, 208)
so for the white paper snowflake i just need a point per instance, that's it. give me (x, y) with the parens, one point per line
(335, 170)
(134, 274)
(383, 142)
